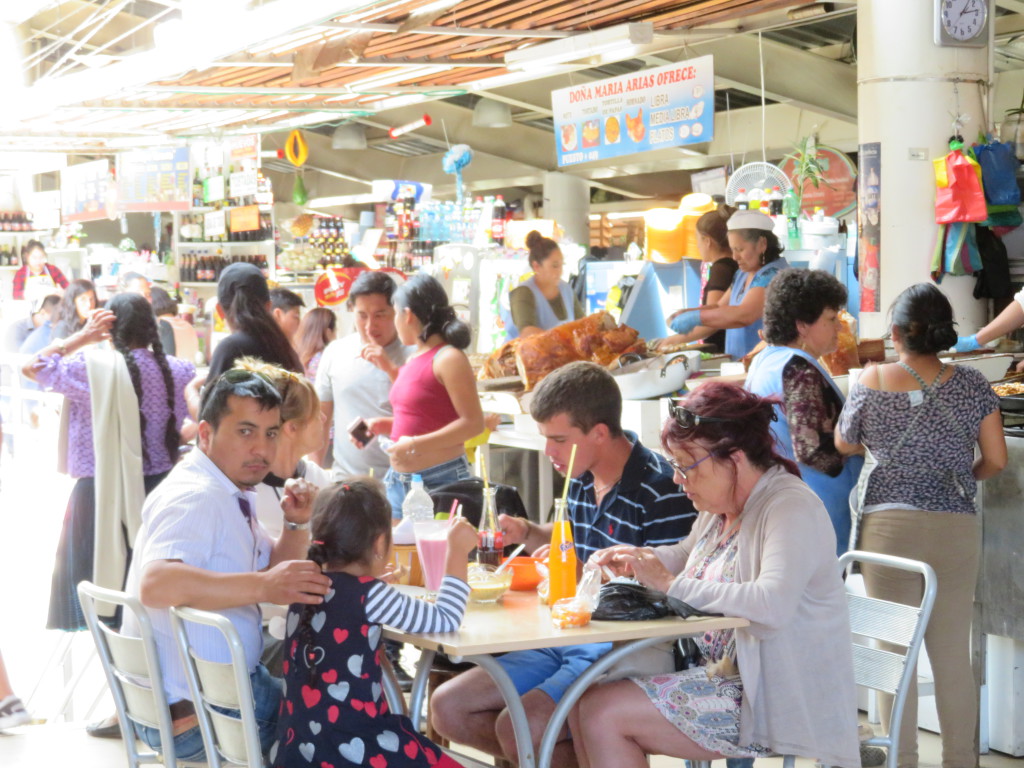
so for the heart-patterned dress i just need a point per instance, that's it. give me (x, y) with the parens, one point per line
(338, 715)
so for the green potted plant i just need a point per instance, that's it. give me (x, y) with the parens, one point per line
(807, 166)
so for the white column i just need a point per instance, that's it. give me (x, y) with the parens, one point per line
(567, 201)
(905, 100)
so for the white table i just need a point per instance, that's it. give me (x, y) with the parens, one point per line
(520, 622)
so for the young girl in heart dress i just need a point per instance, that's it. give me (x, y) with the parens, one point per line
(334, 712)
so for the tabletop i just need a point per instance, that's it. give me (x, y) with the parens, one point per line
(519, 621)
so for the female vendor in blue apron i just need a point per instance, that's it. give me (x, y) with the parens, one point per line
(758, 253)
(545, 300)
(801, 324)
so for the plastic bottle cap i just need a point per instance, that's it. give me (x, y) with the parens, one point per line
(417, 478)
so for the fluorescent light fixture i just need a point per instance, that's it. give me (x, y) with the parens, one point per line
(623, 40)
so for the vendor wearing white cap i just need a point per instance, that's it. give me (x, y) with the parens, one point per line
(740, 311)
(1009, 320)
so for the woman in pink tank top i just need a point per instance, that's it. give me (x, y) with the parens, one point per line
(434, 398)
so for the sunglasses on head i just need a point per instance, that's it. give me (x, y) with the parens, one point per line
(688, 419)
(236, 375)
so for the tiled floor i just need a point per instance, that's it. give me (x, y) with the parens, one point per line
(32, 500)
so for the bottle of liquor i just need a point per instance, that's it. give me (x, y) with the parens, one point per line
(498, 221)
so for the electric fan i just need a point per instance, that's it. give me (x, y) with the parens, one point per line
(756, 176)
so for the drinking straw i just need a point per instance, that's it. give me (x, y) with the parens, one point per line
(568, 473)
(483, 471)
(508, 560)
(453, 512)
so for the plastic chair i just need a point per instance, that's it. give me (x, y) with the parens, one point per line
(218, 686)
(132, 667)
(872, 621)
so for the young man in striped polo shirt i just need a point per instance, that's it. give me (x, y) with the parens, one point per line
(621, 493)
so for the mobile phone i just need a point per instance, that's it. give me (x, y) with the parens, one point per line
(360, 432)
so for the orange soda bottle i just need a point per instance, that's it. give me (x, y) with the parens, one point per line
(561, 558)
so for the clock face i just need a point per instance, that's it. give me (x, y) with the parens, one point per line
(963, 19)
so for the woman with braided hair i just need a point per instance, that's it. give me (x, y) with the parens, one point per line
(125, 408)
(335, 710)
(436, 407)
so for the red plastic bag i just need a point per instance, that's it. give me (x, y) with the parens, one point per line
(959, 196)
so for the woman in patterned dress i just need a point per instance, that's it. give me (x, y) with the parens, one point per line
(762, 549)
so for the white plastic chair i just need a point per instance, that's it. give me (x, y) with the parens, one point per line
(873, 621)
(215, 686)
(132, 667)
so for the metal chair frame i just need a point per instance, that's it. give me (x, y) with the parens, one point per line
(132, 669)
(882, 620)
(216, 686)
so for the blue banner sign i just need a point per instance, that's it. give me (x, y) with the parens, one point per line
(668, 106)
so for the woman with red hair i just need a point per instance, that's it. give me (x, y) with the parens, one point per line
(762, 549)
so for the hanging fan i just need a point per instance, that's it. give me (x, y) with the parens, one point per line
(756, 176)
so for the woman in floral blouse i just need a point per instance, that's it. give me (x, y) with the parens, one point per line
(801, 324)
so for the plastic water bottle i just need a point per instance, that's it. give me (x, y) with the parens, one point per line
(417, 507)
(740, 201)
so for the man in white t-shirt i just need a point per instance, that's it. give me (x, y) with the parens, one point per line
(355, 375)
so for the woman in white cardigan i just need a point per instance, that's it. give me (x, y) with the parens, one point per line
(762, 549)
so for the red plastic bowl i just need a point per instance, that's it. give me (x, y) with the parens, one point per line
(524, 573)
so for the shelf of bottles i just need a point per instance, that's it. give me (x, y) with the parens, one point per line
(203, 267)
(322, 247)
(412, 231)
(200, 254)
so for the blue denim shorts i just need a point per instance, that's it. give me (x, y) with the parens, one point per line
(266, 695)
(552, 670)
(397, 484)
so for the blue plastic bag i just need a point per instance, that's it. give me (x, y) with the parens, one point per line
(998, 172)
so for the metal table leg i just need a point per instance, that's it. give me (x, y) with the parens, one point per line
(575, 691)
(524, 741)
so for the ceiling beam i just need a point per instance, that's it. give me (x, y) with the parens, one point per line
(831, 91)
(1016, 6)
(453, 31)
(355, 89)
(256, 26)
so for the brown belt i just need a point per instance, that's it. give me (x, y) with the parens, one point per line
(182, 709)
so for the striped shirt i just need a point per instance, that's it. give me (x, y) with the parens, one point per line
(194, 516)
(645, 508)
(386, 605)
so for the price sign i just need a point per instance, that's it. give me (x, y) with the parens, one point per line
(213, 224)
(245, 219)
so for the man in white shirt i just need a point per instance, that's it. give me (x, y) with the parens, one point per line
(355, 375)
(200, 545)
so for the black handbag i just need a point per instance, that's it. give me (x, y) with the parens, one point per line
(625, 601)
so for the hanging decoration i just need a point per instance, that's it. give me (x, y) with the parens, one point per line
(399, 130)
(297, 152)
(454, 160)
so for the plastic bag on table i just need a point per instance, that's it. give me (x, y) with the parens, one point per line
(629, 601)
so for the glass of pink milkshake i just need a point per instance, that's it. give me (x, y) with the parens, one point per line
(432, 546)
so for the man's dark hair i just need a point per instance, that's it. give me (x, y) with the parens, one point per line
(237, 383)
(49, 304)
(586, 392)
(163, 304)
(370, 282)
(799, 295)
(283, 299)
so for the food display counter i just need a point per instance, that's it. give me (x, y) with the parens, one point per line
(999, 600)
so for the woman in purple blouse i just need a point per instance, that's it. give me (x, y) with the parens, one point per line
(159, 383)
